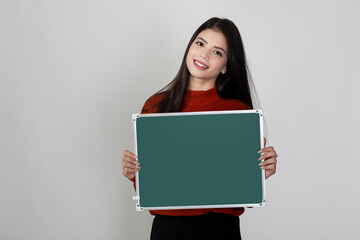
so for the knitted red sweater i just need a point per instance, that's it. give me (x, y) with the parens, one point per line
(196, 101)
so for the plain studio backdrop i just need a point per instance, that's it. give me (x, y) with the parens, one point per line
(73, 72)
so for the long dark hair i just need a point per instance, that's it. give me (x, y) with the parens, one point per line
(233, 84)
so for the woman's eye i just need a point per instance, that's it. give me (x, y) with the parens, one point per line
(218, 53)
(200, 44)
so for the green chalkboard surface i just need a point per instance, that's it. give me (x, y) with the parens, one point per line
(199, 159)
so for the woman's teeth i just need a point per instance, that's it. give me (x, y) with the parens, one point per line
(200, 65)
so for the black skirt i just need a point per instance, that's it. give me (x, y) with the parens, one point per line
(208, 226)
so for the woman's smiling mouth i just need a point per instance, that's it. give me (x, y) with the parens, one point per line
(200, 65)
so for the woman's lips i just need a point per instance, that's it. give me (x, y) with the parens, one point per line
(200, 65)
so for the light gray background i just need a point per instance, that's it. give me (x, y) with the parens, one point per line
(72, 73)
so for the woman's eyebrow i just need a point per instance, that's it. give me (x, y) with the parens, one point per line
(203, 40)
(214, 46)
(220, 49)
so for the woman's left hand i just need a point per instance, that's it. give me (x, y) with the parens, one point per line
(269, 156)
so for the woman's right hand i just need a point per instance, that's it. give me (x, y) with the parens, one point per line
(129, 164)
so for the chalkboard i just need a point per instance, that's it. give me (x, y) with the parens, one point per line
(199, 160)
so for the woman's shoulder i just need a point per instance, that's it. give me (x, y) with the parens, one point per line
(152, 103)
(234, 104)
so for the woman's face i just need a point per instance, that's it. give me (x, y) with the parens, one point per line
(207, 57)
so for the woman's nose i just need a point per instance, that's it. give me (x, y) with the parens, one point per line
(204, 54)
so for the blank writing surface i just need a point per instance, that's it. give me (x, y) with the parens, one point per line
(199, 160)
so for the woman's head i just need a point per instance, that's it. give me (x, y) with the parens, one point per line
(236, 75)
(233, 82)
(206, 59)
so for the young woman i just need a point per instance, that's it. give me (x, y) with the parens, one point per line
(213, 76)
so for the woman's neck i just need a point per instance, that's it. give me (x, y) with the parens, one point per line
(200, 85)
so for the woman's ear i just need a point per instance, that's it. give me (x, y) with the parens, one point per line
(223, 71)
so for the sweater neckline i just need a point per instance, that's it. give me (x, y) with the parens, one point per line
(196, 97)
